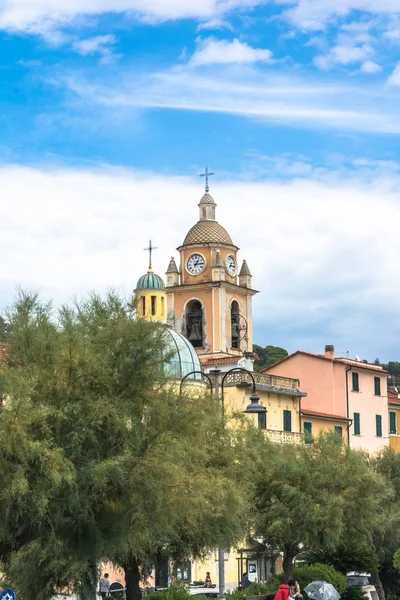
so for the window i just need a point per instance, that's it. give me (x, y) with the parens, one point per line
(356, 421)
(143, 306)
(162, 307)
(377, 386)
(235, 325)
(153, 305)
(262, 420)
(393, 424)
(378, 420)
(339, 430)
(194, 323)
(307, 432)
(356, 387)
(287, 420)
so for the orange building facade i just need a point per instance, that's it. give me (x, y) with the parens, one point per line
(209, 300)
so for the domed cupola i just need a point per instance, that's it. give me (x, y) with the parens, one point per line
(150, 293)
(150, 281)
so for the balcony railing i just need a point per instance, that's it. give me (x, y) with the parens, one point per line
(284, 437)
(263, 379)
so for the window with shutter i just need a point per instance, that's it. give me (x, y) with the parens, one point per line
(377, 386)
(356, 419)
(378, 419)
(356, 387)
(393, 424)
(262, 420)
(307, 432)
(287, 420)
(339, 430)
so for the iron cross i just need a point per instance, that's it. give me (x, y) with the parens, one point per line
(150, 251)
(206, 174)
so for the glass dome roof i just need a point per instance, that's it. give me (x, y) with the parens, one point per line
(184, 359)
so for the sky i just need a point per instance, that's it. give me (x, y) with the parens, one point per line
(110, 109)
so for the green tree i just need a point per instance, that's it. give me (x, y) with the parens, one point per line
(309, 497)
(100, 456)
(267, 356)
(3, 329)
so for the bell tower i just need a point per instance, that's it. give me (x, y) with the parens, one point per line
(209, 300)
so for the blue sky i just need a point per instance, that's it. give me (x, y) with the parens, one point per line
(294, 104)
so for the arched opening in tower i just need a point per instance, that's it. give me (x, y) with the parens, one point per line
(194, 323)
(235, 325)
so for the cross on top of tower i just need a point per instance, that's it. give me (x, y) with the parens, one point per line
(206, 175)
(150, 251)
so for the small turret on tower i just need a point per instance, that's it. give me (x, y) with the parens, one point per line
(245, 275)
(218, 268)
(172, 273)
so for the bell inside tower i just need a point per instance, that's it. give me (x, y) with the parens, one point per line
(235, 324)
(194, 323)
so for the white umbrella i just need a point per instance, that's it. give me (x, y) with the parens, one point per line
(321, 590)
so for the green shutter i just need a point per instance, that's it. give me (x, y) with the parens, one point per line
(307, 432)
(378, 420)
(339, 430)
(356, 387)
(393, 424)
(357, 430)
(377, 386)
(287, 420)
(262, 420)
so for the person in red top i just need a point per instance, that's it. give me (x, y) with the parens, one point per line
(283, 592)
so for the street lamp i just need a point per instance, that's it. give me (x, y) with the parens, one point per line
(253, 408)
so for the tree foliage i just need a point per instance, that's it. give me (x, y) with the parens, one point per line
(311, 497)
(100, 456)
(267, 356)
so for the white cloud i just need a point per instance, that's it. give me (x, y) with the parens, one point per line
(344, 54)
(315, 14)
(394, 78)
(99, 44)
(42, 16)
(212, 51)
(249, 92)
(65, 232)
(369, 66)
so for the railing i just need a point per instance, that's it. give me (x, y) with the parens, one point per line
(284, 437)
(283, 383)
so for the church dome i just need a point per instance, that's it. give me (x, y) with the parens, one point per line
(150, 281)
(184, 359)
(207, 199)
(207, 232)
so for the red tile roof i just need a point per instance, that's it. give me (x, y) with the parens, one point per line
(224, 360)
(393, 397)
(347, 361)
(313, 413)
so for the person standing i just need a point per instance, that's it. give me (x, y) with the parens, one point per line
(246, 583)
(208, 582)
(105, 586)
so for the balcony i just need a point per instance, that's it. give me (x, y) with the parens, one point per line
(284, 437)
(265, 381)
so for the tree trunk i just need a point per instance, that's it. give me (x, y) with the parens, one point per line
(376, 581)
(89, 584)
(288, 558)
(132, 579)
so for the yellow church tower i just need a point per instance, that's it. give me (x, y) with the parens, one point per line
(209, 300)
(150, 294)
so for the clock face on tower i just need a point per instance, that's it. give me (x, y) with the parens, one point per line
(195, 264)
(230, 265)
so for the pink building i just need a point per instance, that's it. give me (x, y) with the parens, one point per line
(347, 395)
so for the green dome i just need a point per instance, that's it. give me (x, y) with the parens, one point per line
(150, 281)
(183, 358)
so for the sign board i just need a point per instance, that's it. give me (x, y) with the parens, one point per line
(8, 595)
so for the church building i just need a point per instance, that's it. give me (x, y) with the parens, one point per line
(209, 298)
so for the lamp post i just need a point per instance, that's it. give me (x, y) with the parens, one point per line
(253, 408)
